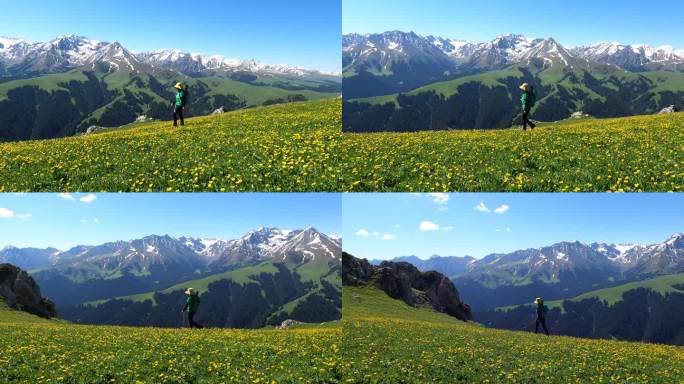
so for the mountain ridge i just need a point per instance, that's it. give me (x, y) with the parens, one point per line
(504, 50)
(561, 270)
(72, 51)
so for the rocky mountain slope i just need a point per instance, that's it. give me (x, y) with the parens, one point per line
(21, 59)
(19, 291)
(385, 53)
(562, 270)
(404, 281)
(120, 268)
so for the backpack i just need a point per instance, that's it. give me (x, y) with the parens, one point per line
(532, 98)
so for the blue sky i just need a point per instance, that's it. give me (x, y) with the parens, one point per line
(655, 22)
(62, 221)
(297, 32)
(383, 226)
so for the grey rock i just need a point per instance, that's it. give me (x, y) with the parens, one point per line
(580, 115)
(668, 110)
(405, 282)
(93, 129)
(289, 323)
(219, 111)
(21, 292)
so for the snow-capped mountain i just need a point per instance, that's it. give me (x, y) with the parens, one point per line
(630, 57)
(28, 258)
(153, 254)
(19, 58)
(381, 51)
(387, 50)
(568, 260)
(310, 245)
(561, 270)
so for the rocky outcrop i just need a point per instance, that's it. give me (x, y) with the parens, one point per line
(21, 292)
(580, 115)
(93, 128)
(219, 111)
(355, 271)
(289, 323)
(668, 110)
(405, 282)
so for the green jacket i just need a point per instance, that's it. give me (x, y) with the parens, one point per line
(192, 303)
(542, 310)
(528, 99)
(181, 98)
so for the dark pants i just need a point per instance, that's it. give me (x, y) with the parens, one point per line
(526, 120)
(191, 320)
(178, 113)
(542, 321)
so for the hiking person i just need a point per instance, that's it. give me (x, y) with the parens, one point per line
(181, 100)
(192, 302)
(541, 311)
(528, 99)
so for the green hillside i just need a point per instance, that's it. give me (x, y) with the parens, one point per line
(279, 148)
(252, 296)
(63, 104)
(662, 285)
(642, 153)
(578, 87)
(41, 351)
(8, 315)
(386, 341)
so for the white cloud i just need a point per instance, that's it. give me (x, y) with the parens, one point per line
(396, 226)
(362, 232)
(89, 198)
(440, 198)
(508, 229)
(96, 220)
(375, 233)
(84, 221)
(6, 213)
(500, 210)
(482, 207)
(449, 228)
(388, 236)
(428, 226)
(9, 214)
(66, 196)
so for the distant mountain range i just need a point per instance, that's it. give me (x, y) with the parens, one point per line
(62, 87)
(20, 58)
(559, 271)
(603, 79)
(304, 262)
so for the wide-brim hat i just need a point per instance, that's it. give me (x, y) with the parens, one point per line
(190, 291)
(180, 86)
(525, 87)
(538, 300)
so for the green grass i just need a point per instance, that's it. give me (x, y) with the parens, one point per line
(278, 148)
(41, 351)
(8, 315)
(662, 285)
(252, 94)
(385, 341)
(48, 83)
(239, 276)
(643, 153)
